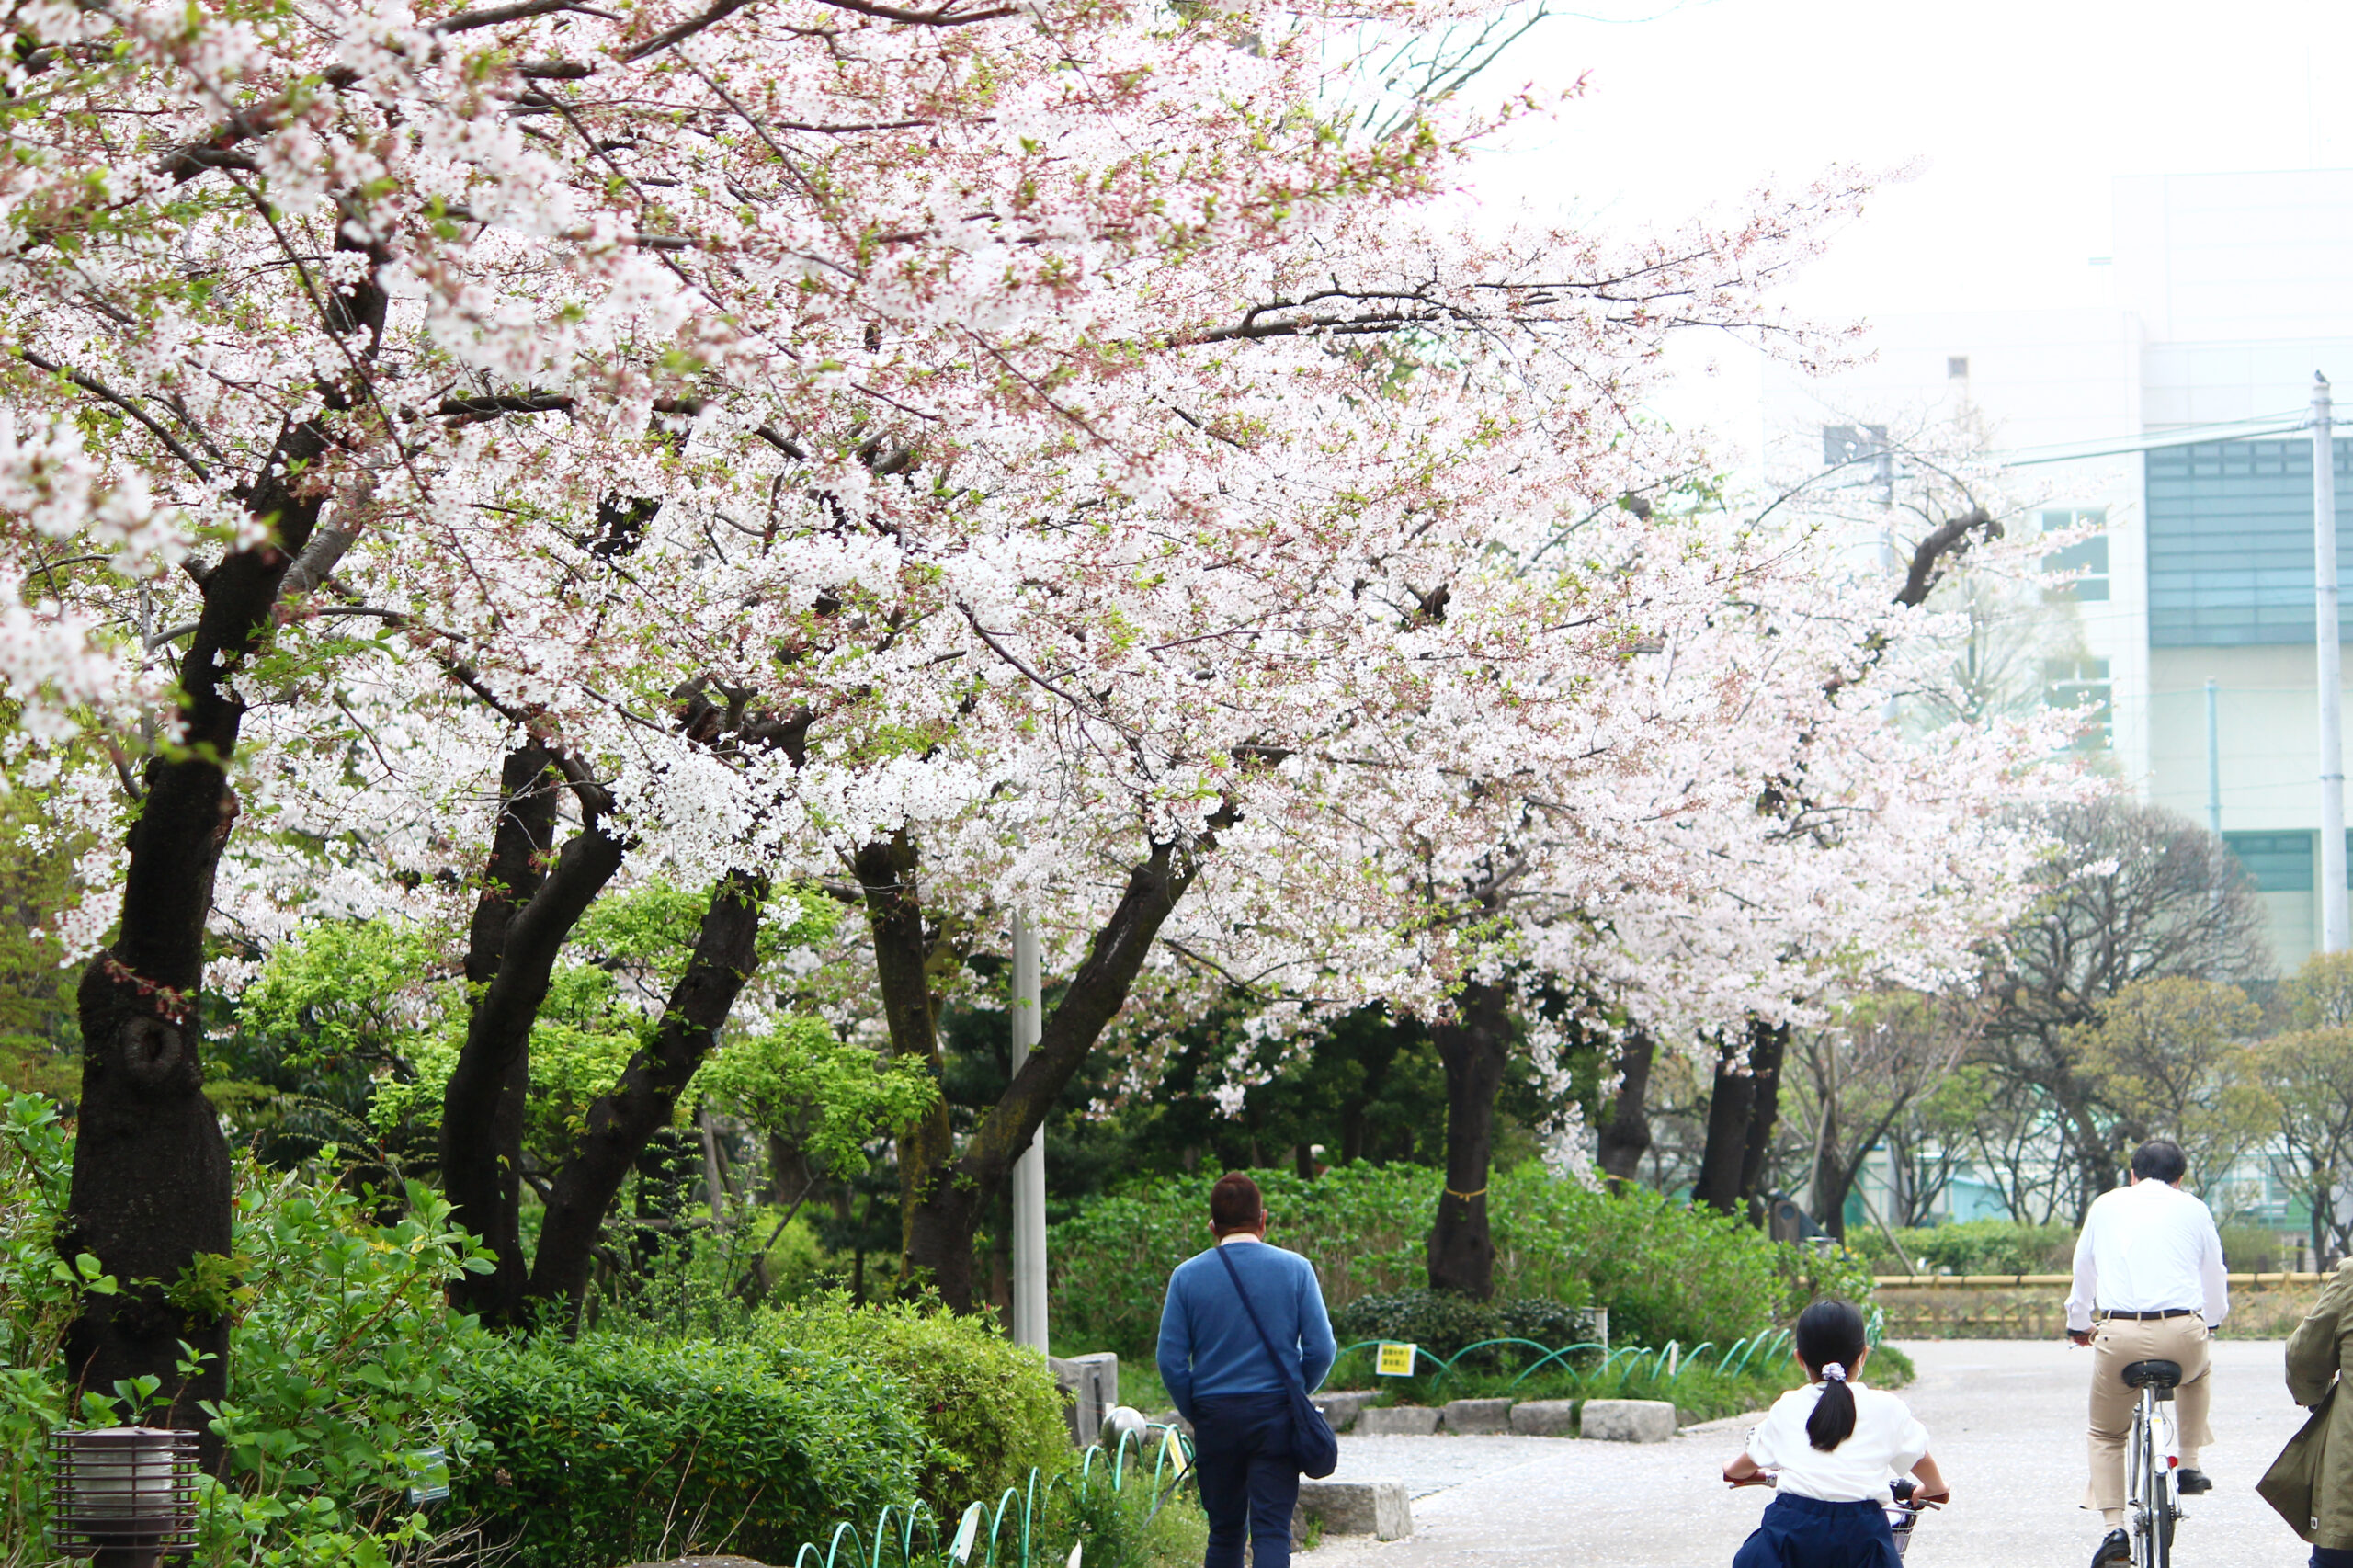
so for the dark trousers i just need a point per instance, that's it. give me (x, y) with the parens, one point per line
(2331, 1557)
(1805, 1532)
(1249, 1481)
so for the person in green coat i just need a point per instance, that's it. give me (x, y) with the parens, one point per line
(2321, 1461)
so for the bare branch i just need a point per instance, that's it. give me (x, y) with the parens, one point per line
(97, 388)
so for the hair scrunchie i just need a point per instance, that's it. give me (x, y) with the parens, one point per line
(1832, 1372)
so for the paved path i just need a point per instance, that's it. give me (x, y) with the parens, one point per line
(2008, 1420)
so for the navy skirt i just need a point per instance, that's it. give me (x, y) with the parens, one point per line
(1805, 1532)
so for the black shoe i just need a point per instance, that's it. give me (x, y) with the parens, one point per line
(2191, 1482)
(2116, 1547)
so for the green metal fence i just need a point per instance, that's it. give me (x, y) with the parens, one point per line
(1668, 1362)
(1005, 1535)
(904, 1536)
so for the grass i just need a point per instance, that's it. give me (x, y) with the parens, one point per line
(1140, 1386)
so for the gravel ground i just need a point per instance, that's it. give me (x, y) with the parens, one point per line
(2008, 1420)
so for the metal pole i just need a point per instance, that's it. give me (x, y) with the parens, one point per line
(2213, 761)
(2333, 913)
(1029, 1170)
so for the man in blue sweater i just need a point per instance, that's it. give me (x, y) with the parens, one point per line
(1218, 1372)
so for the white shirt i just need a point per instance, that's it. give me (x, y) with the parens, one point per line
(1887, 1442)
(2144, 1248)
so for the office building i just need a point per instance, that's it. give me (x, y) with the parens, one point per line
(2230, 292)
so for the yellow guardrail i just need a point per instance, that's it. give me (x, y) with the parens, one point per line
(1997, 1281)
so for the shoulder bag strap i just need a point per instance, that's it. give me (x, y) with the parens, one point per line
(1282, 1369)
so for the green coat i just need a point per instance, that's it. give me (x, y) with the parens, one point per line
(2319, 1464)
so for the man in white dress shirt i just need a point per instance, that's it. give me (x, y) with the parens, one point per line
(2149, 1265)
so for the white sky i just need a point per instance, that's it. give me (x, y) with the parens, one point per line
(2017, 114)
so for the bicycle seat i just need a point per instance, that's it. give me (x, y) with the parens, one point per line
(2152, 1374)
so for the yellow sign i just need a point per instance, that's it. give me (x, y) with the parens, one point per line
(1394, 1360)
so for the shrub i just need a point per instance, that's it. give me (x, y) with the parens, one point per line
(1972, 1246)
(1439, 1321)
(1665, 1272)
(1121, 1526)
(345, 1365)
(1443, 1323)
(988, 1409)
(2251, 1249)
(609, 1449)
(343, 1361)
(1364, 1226)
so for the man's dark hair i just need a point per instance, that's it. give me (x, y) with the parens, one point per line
(2160, 1159)
(1236, 1202)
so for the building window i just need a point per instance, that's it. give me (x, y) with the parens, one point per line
(1843, 444)
(2082, 684)
(2279, 862)
(2087, 556)
(2230, 539)
(1957, 366)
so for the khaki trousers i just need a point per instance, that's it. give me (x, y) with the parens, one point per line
(2117, 1343)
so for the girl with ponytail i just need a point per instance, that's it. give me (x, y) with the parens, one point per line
(1831, 1447)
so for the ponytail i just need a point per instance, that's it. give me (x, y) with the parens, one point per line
(1830, 1342)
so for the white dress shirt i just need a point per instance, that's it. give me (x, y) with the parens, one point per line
(1887, 1441)
(2144, 1248)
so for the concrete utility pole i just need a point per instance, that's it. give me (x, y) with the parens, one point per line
(2333, 901)
(1029, 1170)
(2214, 760)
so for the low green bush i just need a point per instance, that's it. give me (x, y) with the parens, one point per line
(1972, 1246)
(1444, 1323)
(988, 1409)
(2254, 1249)
(1664, 1271)
(609, 1449)
(344, 1362)
(1122, 1527)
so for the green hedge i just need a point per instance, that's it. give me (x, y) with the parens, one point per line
(1665, 1272)
(988, 1409)
(1975, 1246)
(1444, 1324)
(610, 1450)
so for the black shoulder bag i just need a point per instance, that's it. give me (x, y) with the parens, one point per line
(1313, 1445)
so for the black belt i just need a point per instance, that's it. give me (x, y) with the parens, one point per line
(2152, 1317)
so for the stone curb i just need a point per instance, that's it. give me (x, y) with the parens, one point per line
(1342, 1406)
(1469, 1415)
(1377, 1508)
(1627, 1420)
(1545, 1418)
(1398, 1420)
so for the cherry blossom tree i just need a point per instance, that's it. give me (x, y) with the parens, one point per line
(991, 457)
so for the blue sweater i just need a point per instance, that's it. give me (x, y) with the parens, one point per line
(1207, 1345)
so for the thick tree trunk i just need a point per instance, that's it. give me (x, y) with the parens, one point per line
(1730, 1100)
(1474, 1046)
(1830, 1179)
(887, 875)
(1626, 1137)
(151, 1184)
(1376, 1056)
(482, 1109)
(953, 1194)
(1767, 1045)
(620, 1123)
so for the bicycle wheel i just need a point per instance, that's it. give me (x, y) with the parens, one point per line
(2153, 1483)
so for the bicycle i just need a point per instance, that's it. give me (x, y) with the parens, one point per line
(1903, 1513)
(2152, 1503)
